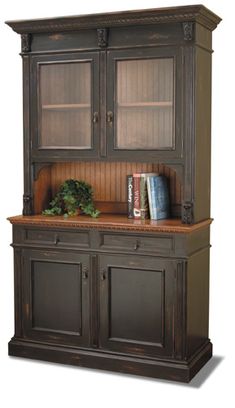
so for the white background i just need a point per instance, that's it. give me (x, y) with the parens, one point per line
(26, 383)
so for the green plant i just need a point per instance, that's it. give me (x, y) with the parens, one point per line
(72, 196)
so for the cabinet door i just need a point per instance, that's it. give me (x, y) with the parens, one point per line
(65, 105)
(137, 304)
(144, 103)
(56, 297)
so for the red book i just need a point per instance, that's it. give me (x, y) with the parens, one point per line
(136, 194)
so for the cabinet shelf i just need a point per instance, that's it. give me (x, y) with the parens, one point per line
(145, 104)
(66, 106)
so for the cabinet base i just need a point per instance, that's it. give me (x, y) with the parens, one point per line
(173, 370)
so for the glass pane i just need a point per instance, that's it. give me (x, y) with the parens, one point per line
(65, 101)
(145, 104)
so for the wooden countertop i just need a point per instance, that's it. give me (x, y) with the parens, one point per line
(109, 221)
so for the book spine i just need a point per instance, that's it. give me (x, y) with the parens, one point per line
(150, 197)
(163, 201)
(153, 197)
(158, 197)
(130, 197)
(136, 193)
(144, 208)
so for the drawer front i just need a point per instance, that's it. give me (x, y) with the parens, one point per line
(137, 243)
(57, 238)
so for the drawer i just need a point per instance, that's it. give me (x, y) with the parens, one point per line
(57, 237)
(137, 243)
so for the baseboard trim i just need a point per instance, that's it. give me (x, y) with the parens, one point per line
(181, 371)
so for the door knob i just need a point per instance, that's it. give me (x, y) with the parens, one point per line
(95, 117)
(103, 274)
(85, 272)
(110, 117)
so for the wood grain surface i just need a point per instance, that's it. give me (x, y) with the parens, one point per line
(109, 221)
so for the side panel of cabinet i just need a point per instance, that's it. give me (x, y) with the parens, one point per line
(202, 155)
(197, 300)
(144, 104)
(55, 297)
(137, 305)
(65, 106)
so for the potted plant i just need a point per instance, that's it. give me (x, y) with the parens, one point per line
(74, 196)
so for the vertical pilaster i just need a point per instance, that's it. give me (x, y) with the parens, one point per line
(27, 198)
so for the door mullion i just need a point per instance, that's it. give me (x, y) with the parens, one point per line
(103, 97)
(94, 296)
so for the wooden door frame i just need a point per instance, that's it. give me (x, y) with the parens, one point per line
(66, 153)
(145, 53)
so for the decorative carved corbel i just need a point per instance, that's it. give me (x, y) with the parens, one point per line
(25, 42)
(102, 35)
(37, 167)
(27, 203)
(179, 169)
(188, 31)
(187, 212)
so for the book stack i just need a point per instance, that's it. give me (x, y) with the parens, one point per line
(147, 196)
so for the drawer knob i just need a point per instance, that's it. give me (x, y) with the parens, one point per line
(137, 244)
(57, 239)
(85, 272)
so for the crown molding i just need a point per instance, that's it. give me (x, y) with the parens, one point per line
(197, 13)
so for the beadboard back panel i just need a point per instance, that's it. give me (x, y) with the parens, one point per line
(108, 180)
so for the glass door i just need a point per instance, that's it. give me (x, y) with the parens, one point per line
(143, 110)
(66, 105)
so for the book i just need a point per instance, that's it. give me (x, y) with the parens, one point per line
(158, 196)
(144, 206)
(130, 197)
(136, 195)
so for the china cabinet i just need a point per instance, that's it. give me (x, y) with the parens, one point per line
(107, 95)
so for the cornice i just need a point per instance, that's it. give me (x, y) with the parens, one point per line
(196, 13)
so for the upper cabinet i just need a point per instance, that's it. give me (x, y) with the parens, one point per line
(114, 86)
(131, 87)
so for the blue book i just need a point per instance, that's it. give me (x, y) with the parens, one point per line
(158, 197)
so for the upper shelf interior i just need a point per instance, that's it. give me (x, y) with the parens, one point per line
(108, 180)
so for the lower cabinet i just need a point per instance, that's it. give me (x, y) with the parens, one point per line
(134, 309)
(102, 307)
(56, 297)
(137, 304)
